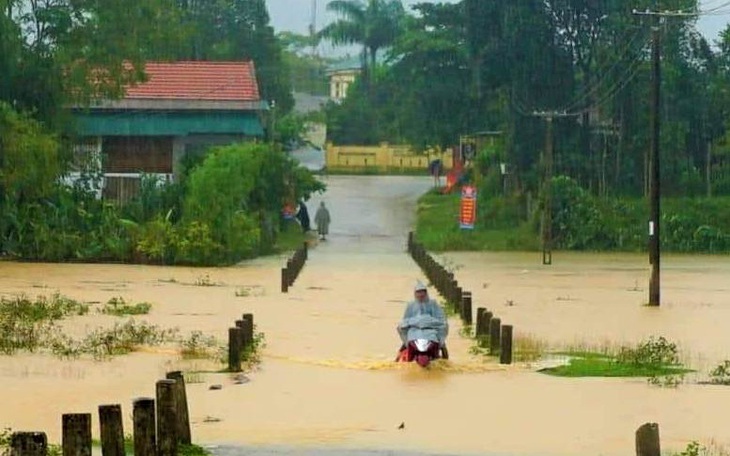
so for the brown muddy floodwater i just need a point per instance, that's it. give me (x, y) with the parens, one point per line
(327, 379)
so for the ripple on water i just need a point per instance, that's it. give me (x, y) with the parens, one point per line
(384, 365)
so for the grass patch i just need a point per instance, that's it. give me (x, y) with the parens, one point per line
(720, 375)
(652, 358)
(198, 346)
(26, 324)
(118, 307)
(697, 449)
(290, 237)
(528, 348)
(437, 227)
(192, 450)
(103, 343)
(600, 366)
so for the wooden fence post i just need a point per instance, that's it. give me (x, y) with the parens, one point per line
(505, 351)
(284, 280)
(76, 434)
(647, 440)
(29, 444)
(166, 418)
(466, 311)
(479, 330)
(235, 338)
(145, 443)
(112, 432)
(495, 331)
(181, 401)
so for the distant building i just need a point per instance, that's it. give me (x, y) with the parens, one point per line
(341, 76)
(183, 107)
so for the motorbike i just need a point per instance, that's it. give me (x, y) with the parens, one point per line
(422, 351)
(423, 346)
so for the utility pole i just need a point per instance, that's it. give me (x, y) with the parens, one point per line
(655, 181)
(547, 208)
(547, 218)
(655, 155)
(708, 169)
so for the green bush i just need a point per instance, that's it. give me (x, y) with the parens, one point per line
(156, 241)
(193, 244)
(650, 353)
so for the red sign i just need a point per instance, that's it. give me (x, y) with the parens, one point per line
(468, 215)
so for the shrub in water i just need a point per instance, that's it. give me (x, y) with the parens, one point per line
(650, 353)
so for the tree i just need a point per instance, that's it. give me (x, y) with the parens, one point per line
(375, 25)
(237, 30)
(306, 68)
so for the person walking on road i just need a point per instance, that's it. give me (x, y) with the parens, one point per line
(303, 217)
(322, 220)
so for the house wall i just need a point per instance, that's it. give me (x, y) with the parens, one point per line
(135, 154)
(340, 83)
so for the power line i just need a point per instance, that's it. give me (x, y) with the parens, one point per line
(606, 75)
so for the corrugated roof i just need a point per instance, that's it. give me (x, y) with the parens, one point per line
(209, 81)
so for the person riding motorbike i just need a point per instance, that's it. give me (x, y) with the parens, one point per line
(424, 319)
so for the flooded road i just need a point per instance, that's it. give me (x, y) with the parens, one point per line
(328, 382)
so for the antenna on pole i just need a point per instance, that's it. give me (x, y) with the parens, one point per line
(313, 28)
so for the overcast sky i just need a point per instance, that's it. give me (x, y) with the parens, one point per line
(295, 15)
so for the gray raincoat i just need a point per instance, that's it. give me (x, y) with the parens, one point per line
(322, 220)
(424, 321)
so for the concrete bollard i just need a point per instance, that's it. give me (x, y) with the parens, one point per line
(235, 339)
(76, 434)
(466, 311)
(495, 332)
(479, 330)
(143, 417)
(246, 326)
(647, 440)
(166, 418)
(505, 351)
(28, 444)
(292, 272)
(184, 436)
(112, 431)
(284, 280)
(486, 325)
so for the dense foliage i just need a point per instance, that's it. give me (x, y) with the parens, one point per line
(488, 65)
(61, 53)
(224, 209)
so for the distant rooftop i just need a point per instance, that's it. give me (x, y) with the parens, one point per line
(199, 81)
(349, 63)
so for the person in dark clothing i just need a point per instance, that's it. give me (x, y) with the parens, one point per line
(435, 168)
(303, 217)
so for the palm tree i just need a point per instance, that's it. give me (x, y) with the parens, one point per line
(374, 24)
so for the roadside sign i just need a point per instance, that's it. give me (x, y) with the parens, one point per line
(468, 215)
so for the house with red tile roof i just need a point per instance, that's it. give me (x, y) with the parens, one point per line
(182, 108)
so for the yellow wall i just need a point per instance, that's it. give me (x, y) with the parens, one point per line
(384, 157)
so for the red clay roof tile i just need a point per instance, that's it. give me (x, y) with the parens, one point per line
(209, 81)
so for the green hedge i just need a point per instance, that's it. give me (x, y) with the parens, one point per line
(581, 221)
